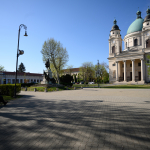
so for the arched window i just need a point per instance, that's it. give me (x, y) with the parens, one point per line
(126, 45)
(135, 42)
(113, 49)
(148, 43)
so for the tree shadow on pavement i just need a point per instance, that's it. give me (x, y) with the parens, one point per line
(31, 123)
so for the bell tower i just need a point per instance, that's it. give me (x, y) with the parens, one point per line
(115, 40)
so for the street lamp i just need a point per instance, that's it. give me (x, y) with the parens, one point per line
(19, 52)
(98, 72)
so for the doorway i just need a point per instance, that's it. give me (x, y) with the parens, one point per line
(130, 76)
(139, 76)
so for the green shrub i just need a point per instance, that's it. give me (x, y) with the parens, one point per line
(27, 84)
(9, 89)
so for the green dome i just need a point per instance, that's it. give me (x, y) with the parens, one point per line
(137, 25)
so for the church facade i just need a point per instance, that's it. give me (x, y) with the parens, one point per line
(129, 65)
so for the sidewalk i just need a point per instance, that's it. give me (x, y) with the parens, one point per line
(91, 118)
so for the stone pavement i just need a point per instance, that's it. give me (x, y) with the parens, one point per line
(91, 118)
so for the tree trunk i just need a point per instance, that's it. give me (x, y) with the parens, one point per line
(58, 78)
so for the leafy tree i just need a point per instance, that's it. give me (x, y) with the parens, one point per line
(57, 55)
(2, 68)
(102, 71)
(87, 71)
(66, 79)
(69, 69)
(21, 68)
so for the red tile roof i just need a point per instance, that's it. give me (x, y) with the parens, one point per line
(21, 73)
(72, 70)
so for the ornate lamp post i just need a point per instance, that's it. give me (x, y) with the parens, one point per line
(19, 52)
(98, 72)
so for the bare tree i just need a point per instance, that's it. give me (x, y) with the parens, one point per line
(57, 55)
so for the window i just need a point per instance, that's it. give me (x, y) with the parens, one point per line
(113, 49)
(139, 64)
(126, 45)
(113, 32)
(135, 42)
(122, 65)
(147, 23)
(120, 49)
(148, 43)
(130, 65)
(114, 64)
(9, 80)
(21, 80)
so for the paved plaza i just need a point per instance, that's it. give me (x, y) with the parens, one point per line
(90, 118)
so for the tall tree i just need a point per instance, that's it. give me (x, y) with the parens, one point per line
(87, 71)
(57, 55)
(2, 68)
(21, 68)
(69, 69)
(102, 70)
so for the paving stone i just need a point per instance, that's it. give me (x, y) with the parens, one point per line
(79, 119)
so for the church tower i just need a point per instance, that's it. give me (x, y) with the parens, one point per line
(115, 40)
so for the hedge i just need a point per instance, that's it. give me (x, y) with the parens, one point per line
(27, 84)
(9, 89)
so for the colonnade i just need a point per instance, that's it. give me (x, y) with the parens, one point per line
(133, 71)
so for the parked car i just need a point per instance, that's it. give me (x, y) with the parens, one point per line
(81, 82)
(91, 83)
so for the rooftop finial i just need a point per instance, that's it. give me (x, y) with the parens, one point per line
(148, 11)
(115, 22)
(138, 13)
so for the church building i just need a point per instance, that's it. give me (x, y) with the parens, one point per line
(129, 65)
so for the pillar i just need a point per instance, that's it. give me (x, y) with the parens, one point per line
(116, 70)
(118, 47)
(109, 47)
(143, 42)
(133, 71)
(142, 70)
(125, 78)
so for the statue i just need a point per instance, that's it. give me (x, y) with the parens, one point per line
(47, 79)
(47, 64)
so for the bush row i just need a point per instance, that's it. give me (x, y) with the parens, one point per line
(9, 89)
(27, 84)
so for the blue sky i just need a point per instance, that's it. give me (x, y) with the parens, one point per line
(82, 26)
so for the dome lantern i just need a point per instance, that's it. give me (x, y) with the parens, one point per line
(147, 18)
(115, 26)
(148, 11)
(138, 14)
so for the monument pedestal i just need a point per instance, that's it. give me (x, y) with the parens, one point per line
(49, 73)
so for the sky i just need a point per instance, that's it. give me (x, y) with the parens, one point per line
(81, 26)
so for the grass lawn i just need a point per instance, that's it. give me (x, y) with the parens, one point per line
(146, 86)
(87, 85)
(41, 89)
